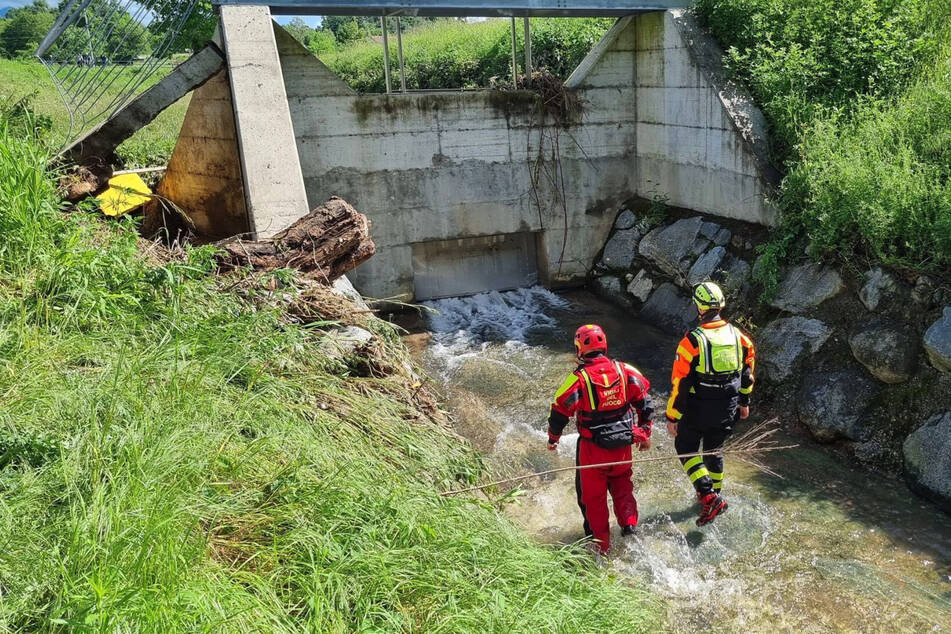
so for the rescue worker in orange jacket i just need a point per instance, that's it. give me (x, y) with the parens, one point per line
(613, 412)
(712, 382)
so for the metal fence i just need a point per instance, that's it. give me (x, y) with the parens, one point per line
(101, 53)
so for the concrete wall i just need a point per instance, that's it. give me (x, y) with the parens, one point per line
(204, 174)
(697, 144)
(442, 166)
(658, 119)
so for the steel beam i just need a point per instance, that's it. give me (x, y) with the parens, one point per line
(462, 8)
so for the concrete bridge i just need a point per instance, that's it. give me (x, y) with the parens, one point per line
(447, 177)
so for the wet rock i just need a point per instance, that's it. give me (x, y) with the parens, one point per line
(709, 229)
(783, 343)
(879, 284)
(937, 341)
(669, 309)
(670, 247)
(620, 250)
(832, 403)
(627, 219)
(887, 352)
(805, 287)
(705, 265)
(927, 454)
(923, 291)
(722, 238)
(641, 286)
(610, 288)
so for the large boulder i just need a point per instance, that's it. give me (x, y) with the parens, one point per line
(621, 249)
(669, 309)
(938, 341)
(888, 353)
(733, 274)
(879, 284)
(705, 265)
(783, 343)
(671, 248)
(832, 404)
(806, 286)
(641, 286)
(927, 453)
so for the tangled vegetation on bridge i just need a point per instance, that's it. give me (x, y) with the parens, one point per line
(858, 96)
(178, 458)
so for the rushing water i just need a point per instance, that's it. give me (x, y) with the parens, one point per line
(826, 548)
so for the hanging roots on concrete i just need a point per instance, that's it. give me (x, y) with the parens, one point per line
(756, 441)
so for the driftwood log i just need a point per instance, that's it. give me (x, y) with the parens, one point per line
(326, 243)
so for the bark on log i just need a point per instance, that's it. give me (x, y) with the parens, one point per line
(326, 243)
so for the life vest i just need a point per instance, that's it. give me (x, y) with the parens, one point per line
(721, 352)
(605, 411)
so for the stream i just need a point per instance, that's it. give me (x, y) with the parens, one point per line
(826, 548)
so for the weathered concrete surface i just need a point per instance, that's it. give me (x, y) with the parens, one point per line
(274, 186)
(700, 141)
(445, 166)
(99, 144)
(204, 174)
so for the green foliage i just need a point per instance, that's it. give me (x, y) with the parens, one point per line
(855, 92)
(322, 42)
(879, 184)
(804, 59)
(452, 54)
(24, 29)
(174, 458)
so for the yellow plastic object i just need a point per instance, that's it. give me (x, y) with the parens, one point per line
(125, 193)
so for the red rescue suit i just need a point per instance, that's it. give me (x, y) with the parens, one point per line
(613, 411)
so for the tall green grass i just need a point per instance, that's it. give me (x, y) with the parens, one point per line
(856, 94)
(152, 145)
(174, 458)
(451, 54)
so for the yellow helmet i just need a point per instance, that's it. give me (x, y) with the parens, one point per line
(708, 296)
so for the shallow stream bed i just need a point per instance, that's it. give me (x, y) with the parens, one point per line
(830, 547)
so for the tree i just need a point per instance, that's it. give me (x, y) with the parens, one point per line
(197, 31)
(25, 29)
(300, 31)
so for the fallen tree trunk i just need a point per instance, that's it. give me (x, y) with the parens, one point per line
(326, 243)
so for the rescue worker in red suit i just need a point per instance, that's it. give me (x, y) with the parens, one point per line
(613, 412)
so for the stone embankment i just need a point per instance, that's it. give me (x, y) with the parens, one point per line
(859, 357)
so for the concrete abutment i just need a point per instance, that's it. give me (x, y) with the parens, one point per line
(446, 174)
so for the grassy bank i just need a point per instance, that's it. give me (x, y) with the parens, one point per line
(451, 54)
(151, 145)
(178, 458)
(856, 93)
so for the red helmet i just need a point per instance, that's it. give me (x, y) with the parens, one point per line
(590, 338)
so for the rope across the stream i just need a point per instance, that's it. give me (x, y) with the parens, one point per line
(749, 444)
